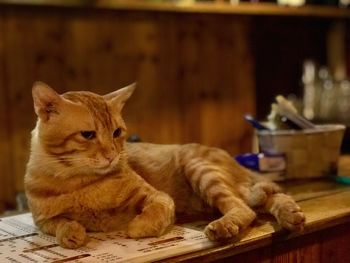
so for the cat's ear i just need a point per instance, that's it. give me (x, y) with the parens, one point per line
(118, 98)
(46, 100)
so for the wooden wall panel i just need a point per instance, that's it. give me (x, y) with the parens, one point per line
(193, 73)
(6, 176)
(32, 52)
(347, 47)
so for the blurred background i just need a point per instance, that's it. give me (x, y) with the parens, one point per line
(200, 66)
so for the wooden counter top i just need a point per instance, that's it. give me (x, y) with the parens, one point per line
(325, 204)
(244, 8)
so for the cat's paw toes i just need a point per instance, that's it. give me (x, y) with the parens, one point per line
(292, 218)
(221, 229)
(139, 228)
(71, 235)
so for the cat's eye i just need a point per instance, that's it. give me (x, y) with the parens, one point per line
(88, 134)
(117, 133)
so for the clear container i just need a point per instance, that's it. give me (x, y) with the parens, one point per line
(310, 153)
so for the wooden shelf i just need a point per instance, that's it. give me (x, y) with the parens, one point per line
(258, 9)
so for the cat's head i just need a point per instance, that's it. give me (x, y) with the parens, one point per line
(81, 131)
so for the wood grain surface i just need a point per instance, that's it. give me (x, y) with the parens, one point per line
(325, 238)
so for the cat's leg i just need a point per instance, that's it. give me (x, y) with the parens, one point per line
(69, 233)
(157, 214)
(282, 206)
(215, 186)
(236, 214)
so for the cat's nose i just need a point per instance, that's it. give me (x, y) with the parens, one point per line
(109, 157)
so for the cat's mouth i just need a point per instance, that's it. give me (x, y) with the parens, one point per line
(107, 168)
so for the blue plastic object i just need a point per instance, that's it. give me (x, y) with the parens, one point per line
(257, 125)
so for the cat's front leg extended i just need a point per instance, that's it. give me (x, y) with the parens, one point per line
(157, 214)
(68, 233)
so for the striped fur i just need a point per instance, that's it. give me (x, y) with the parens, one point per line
(76, 184)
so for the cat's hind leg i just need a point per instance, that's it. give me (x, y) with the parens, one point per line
(215, 186)
(269, 196)
(236, 215)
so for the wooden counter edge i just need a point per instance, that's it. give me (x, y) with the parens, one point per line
(276, 234)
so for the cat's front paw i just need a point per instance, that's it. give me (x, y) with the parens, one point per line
(141, 227)
(71, 235)
(220, 229)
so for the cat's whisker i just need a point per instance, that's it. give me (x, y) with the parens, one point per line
(69, 170)
(46, 163)
(54, 156)
(53, 160)
(82, 162)
(60, 157)
(66, 158)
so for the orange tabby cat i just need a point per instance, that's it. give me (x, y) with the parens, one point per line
(82, 175)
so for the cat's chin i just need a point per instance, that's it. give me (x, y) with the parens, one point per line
(105, 170)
